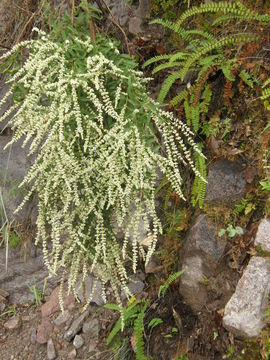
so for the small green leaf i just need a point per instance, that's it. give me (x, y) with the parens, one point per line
(154, 322)
(221, 232)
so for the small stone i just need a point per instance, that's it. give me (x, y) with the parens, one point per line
(33, 336)
(13, 323)
(244, 313)
(72, 354)
(76, 326)
(92, 345)
(51, 354)
(44, 331)
(62, 318)
(263, 235)
(2, 307)
(91, 328)
(151, 266)
(78, 342)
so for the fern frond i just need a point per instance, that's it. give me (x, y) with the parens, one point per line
(138, 332)
(246, 77)
(156, 59)
(195, 118)
(163, 288)
(215, 44)
(165, 23)
(206, 96)
(179, 98)
(168, 84)
(178, 56)
(226, 7)
(199, 186)
(167, 65)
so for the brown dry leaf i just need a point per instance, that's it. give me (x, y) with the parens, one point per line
(213, 145)
(250, 173)
(235, 151)
(252, 252)
(221, 312)
(133, 341)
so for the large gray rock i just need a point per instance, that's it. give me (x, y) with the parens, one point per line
(24, 270)
(201, 253)
(85, 291)
(263, 235)
(14, 165)
(244, 313)
(225, 181)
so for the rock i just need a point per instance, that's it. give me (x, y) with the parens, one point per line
(13, 323)
(2, 306)
(191, 288)
(51, 353)
(33, 336)
(201, 238)
(62, 318)
(76, 326)
(151, 266)
(136, 285)
(72, 354)
(44, 331)
(91, 328)
(14, 165)
(263, 235)
(201, 253)
(52, 305)
(225, 181)
(245, 310)
(135, 26)
(92, 345)
(88, 285)
(25, 268)
(78, 342)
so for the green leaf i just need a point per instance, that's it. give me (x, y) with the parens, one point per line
(155, 322)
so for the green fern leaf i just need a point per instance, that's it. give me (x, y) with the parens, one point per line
(163, 288)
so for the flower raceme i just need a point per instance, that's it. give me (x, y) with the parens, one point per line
(99, 138)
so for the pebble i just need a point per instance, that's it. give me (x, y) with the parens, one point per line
(51, 354)
(91, 328)
(62, 318)
(72, 354)
(78, 342)
(13, 323)
(33, 336)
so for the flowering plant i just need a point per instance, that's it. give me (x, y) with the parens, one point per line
(85, 111)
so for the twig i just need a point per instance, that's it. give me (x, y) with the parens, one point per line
(118, 25)
(91, 26)
(72, 12)
(25, 26)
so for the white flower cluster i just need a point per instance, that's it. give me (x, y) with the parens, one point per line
(97, 154)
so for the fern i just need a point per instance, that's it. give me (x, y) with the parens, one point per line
(199, 187)
(163, 288)
(138, 332)
(126, 315)
(215, 44)
(226, 7)
(247, 78)
(156, 59)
